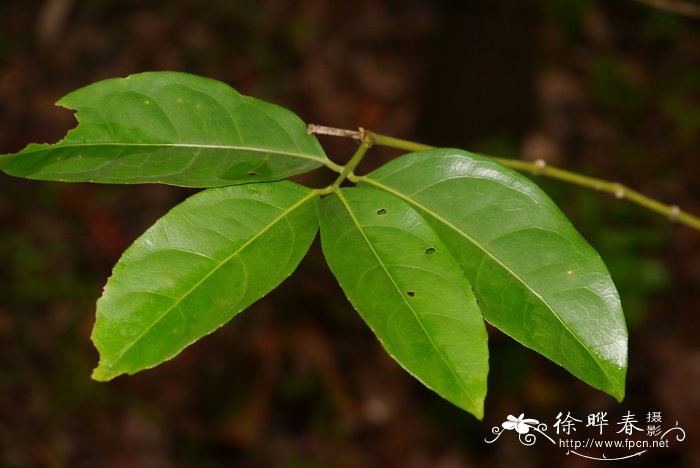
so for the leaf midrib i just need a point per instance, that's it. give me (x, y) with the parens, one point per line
(277, 219)
(400, 294)
(59, 145)
(488, 253)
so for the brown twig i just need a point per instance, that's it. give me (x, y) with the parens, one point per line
(679, 7)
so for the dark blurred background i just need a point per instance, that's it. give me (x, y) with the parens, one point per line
(609, 89)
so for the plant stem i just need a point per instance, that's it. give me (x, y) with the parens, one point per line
(396, 143)
(365, 144)
(333, 131)
(537, 168)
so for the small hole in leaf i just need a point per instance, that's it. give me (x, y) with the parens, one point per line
(252, 173)
(430, 250)
(381, 211)
(410, 293)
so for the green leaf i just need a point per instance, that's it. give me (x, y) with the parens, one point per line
(410, 291)
(171, 128)
(535, 277)
(197, 267)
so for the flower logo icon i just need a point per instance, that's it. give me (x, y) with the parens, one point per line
(521, 424)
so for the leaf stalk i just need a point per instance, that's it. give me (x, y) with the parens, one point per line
(365, 144)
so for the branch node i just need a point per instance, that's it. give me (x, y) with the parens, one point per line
(541, 165)
(620, 191)
(675, 213)
(367, 137)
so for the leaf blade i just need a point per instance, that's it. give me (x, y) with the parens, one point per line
(409, 290)
(509, 236)
(172, 128)
(197, 267)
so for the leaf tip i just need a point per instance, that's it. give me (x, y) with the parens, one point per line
(616, 386)
(103, 374)
(478, 411)
(619, 393)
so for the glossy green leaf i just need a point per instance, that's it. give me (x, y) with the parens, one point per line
(410, 291)
(171, 128)
(535, 277)
(197, 267)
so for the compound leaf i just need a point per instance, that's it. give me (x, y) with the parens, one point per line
(535, 277)
(172, 128)
(197, 267)
(410, 291)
